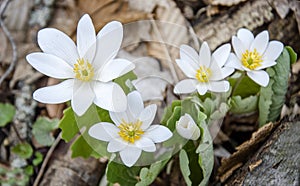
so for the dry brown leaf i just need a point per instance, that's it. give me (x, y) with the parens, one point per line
(103, 12)
(146, 5)
(66, 17)
(224, 2)
(23, 70)
(244, 151)
(17, 14)
(4, 47)
(168, 33)
(295, 6)
(281, 7)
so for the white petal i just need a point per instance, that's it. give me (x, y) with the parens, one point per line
(221, 54)
(187, 127)
(116, 145)
(83, 97)
(104, 131)
(238, 47)
(158, 133)
(201, 88)
(130, 155)
(260, 42)
(204, 55)
(135, 104)
(147, 116)
(219, 86)
(109, 41)
(110, 96)
(118, 117)
(260, 77)
(53, 41)
(54, 94)
(114, 69)
(222, 73)
(273, 50)
(266, 64)
(186, 68)
(234, 62)
(189, 56)
(145, 144)
(185, 86)
(246, 37)
(50, 65)
(86, 38)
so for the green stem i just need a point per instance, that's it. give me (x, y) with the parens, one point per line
(237, 83)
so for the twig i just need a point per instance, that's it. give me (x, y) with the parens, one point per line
(46, 160)
(11, 40)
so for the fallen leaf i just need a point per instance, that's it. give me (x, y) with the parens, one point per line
(281, 7)
(146, 5)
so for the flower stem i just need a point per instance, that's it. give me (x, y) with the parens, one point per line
(237, 83)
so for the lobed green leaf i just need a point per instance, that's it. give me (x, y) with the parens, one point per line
(42, 130)
(242, 106)
(272, 97)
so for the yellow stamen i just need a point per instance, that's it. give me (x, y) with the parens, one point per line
(130, 131)
(203, 74)
(251, 60)
(83, 70)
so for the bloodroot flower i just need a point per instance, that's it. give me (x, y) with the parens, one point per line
(205, 70)
(88, 69)
(132, 131)
(254, 54)
(187, 128)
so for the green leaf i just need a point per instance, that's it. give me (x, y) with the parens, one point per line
(244, 87)
(169, 111)
(148, 175)
(125, 81)
(220, 112)
(29, 170)
(38, 159)
(272, 97)
(292, 53)
(174, 118)
(206, 153)
(184, 166)
(68, 125)
(42, 130)
(119, 173)
(24, 150)
(84, 145)
(7, 112)
(242, 106)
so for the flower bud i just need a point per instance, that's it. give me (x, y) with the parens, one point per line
(187, 128)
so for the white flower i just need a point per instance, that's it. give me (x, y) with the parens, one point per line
(88, 68)
(206, 71)
(187, 128)
(131, 132)
(254, 54)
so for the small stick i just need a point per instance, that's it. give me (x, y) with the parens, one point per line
(46, 160)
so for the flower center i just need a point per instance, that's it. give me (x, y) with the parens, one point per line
(83, 70)
(130, 132)
(203, 74)
(251, 60)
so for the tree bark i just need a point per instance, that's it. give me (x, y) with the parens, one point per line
(276, 162)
